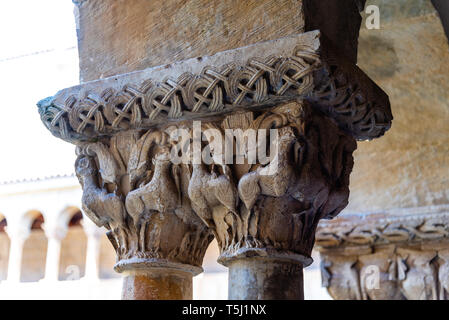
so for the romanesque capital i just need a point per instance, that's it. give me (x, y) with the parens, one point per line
(386, 256)
(297, 89)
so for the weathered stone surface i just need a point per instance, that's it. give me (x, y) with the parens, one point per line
(395, 11)
(122, 36)
(442, 7)
(157, 285)
(339, 20)
(399, 253)
(145, 207)
(410, 166)
(386, 256)
(161, 214)
(304, 66)
(402, 227)
(265, 279)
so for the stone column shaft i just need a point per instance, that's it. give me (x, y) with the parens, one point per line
(265, 279)
(55, 230)
(53, 259)
(157, 284)
(15, 258)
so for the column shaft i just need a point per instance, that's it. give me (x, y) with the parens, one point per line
(53, 258)
(265, 279)
(15, 259)
(157, 285)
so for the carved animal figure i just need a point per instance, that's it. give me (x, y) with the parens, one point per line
(214, 199)
(274, 179)
(140, 154)
(160, 195)
(346, 286)
(419, 279)
(103, 208)
(378, 275)
(108, 168)
(443, 274)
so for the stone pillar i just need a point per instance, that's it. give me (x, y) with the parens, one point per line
(301, 87)
(158, 284)
(17, 237)
(94, 235)
(55, 234)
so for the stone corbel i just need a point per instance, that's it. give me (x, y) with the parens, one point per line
(162, 215)
(386, 256)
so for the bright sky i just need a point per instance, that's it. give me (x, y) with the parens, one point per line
(38, 57)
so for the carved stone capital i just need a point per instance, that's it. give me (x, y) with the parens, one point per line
(131, 188)
(386, 257)
(162, 214)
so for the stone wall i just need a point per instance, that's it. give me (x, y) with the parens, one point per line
(407, 58)
(122, 36)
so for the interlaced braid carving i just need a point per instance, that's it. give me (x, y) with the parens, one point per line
(346, 102)
(125, 108)
(205, 92)
(216, 90)
(383, 231)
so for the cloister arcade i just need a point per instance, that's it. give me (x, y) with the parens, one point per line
(45, 242)
(48, 241)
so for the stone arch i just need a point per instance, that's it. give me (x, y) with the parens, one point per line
(3, 223)
(73, 246)
(4, 248)
(34, 248)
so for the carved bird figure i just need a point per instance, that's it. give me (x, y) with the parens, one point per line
(161, 195)
(139, 159)
(419, 278)
(103, 208)
(273, 179)
(213, 197)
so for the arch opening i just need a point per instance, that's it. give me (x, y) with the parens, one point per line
(73, 247)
